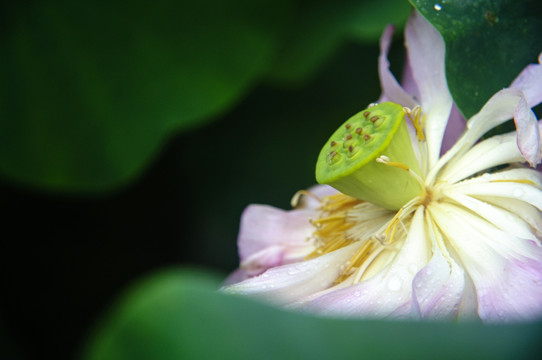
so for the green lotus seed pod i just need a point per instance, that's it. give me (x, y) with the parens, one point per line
(348, 159)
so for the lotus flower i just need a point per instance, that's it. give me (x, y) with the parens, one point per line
(416, 223)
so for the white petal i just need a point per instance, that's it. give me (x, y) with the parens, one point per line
(500, 218)
(526, 212)
(498, 109)
(387, 293)
(479, 243)
(288, 283)
(391, 90)
(518, 191)
(497, 150)
(426, 55)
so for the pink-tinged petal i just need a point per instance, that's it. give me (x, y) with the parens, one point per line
(235, 277)
(530, 82)
(528, 133)
(437, 289)
(426, 55)
(264, 226)
(387, 293)
(286, 284)
(506, 270)
(319, 191)
(391, 90)
(454, 129)
(514, 293)
(408, 82)
(271, 256)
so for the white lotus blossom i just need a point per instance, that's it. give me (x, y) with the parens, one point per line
(413, 233)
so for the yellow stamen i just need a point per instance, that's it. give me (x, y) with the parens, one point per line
(417, 120)
(520, 181)
(386, 161)
(356, 261)
(383, 159)
(332, 225)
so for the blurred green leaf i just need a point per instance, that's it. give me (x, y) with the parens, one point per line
(319, 28)
(180, 315)
(488, 43)
(91, 89)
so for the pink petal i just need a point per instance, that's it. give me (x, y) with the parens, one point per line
(319, 191)
(437, 289)
(391, 90)
(454, 129)
(528, 133)
(287, 283)
(408, 82)
(235, 277)
(264, 259)
(426, 55)
(514, 293)
(506, 270)
(263, 226)
(530, 82)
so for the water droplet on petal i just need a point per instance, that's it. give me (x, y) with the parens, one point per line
(518, 192)
(395, 283)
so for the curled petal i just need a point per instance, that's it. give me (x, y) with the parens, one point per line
(312, 201)
(287, 283)
(497, 150)
(530, 82)
(499, 108)
(528, 133)
(437, 289)
(391, 90)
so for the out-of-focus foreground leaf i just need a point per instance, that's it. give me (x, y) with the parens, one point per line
(90, 89)
(179, 315)
(488, 43)
(319, 28)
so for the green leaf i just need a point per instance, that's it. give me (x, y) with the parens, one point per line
(488, 43)
(180, 315)
(90, 90)
(319, 28)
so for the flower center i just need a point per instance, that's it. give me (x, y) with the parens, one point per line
(370, 157)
